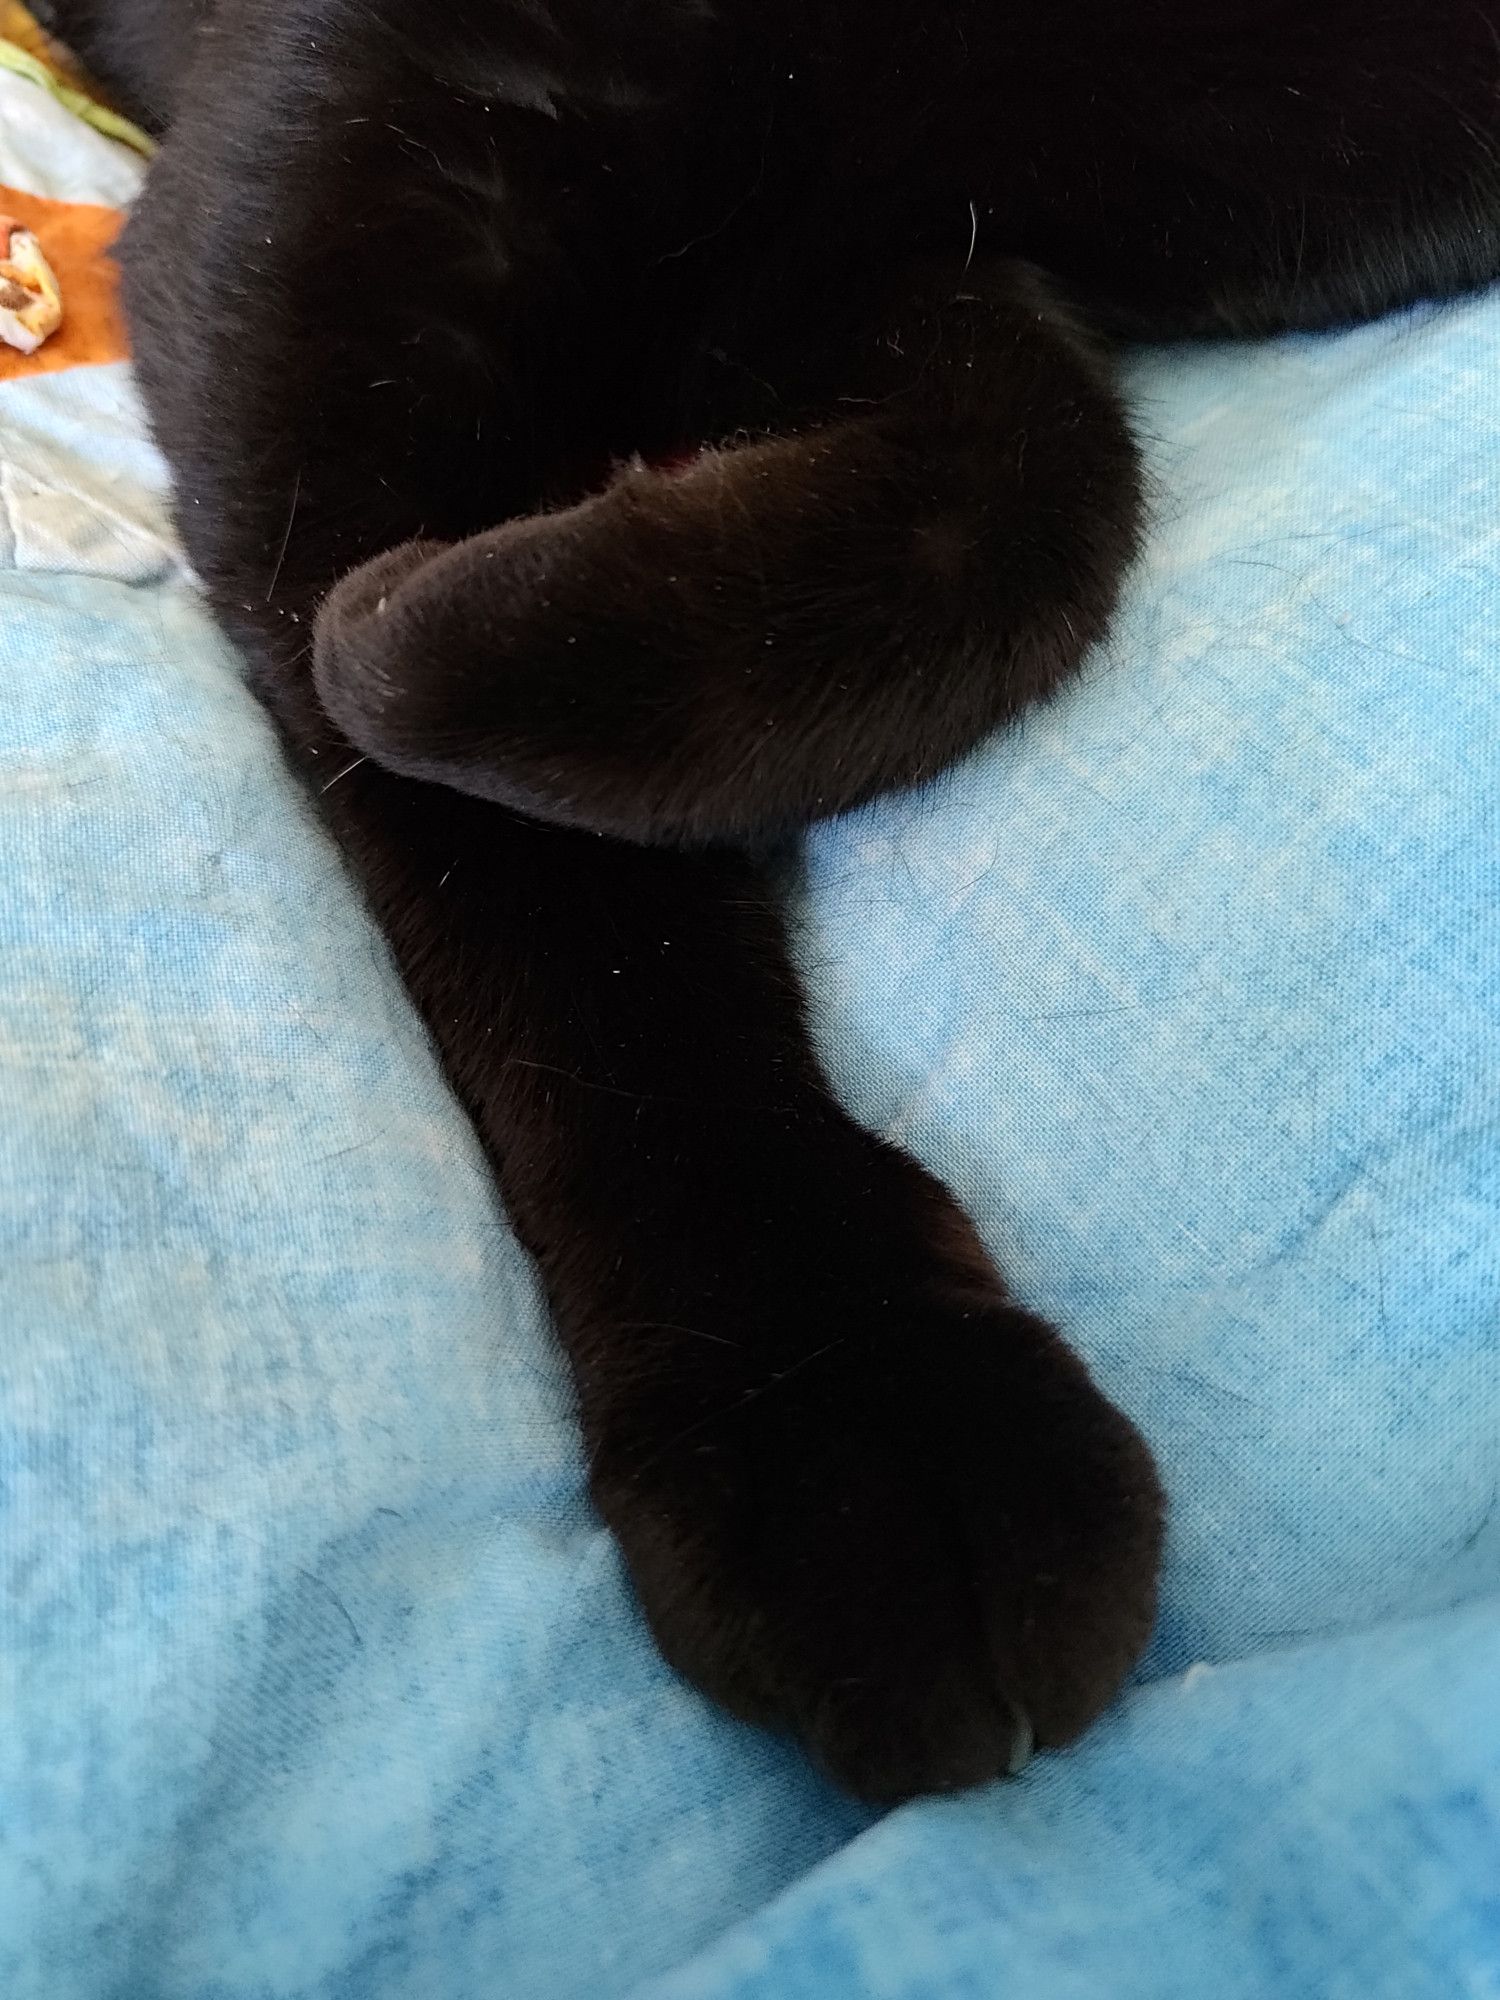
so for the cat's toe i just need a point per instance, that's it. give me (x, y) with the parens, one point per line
(367, 659)
(887, 1744)
(491, 666)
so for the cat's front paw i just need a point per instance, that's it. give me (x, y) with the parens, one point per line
(925, 1547)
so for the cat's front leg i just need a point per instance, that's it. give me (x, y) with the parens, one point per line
(777, 629)
(865, 1497)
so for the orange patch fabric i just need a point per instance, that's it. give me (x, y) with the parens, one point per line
(76, 239)
(17, 26)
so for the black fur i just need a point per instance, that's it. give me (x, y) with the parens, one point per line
(435, 286)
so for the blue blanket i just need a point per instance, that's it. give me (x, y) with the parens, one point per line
(320, 1679)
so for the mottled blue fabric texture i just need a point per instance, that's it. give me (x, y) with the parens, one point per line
(317, 1676)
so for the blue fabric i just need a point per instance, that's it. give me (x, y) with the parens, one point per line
(318, 1677)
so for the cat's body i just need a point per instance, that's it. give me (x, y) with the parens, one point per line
(409, 271)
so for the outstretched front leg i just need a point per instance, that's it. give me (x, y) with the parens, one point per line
(781, 626)
(864, 1495)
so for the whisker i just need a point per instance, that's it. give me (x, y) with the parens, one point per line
(344, 773)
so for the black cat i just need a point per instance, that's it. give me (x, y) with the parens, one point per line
(619, 431)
